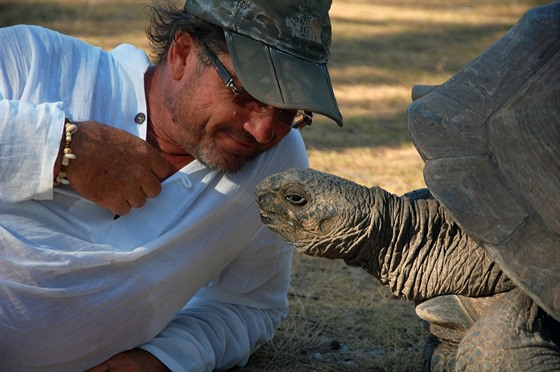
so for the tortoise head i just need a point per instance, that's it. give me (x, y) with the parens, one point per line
(318, 213)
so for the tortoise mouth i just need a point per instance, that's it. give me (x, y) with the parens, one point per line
(280, 225)
(272, 220)
(287, 231)
(267, 219)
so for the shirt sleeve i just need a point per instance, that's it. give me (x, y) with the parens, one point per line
(239, 311)
(30, 138)
(233, 316)
(30, 129)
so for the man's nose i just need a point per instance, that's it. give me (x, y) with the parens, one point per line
(262, 125)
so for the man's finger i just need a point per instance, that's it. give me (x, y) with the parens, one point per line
(151, 188)
(137, 199)
(160, 167)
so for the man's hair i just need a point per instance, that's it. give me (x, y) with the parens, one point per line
(166, 20)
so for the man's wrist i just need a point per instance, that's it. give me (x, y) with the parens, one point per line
(66, 155)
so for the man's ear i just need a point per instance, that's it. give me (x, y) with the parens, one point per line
(178, 55)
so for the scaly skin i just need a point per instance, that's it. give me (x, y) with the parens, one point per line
(514, 334)
(478, 319)
(412, 246)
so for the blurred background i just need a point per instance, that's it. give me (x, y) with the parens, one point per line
(341, 318)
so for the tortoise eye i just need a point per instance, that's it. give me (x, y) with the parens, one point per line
(296, 199)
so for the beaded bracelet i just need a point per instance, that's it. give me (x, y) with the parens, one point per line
(69, 129)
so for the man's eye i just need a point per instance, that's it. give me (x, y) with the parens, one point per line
(296, 199)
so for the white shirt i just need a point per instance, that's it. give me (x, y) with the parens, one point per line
(193, 276)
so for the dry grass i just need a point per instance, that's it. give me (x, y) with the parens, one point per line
(341, 318)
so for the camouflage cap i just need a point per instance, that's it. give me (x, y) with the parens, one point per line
(279, 49)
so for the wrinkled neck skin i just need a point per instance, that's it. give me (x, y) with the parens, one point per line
(417, 250)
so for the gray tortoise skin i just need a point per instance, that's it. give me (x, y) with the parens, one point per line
(480, 253)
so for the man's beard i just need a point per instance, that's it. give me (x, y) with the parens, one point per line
(202, 151)
(214, 161)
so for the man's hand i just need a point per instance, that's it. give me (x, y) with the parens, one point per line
(135, 360)
(114, 169)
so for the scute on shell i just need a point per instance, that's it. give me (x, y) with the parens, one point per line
(490, 139)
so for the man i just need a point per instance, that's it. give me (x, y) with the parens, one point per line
(149, 253)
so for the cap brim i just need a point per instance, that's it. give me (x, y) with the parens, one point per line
(280, 79)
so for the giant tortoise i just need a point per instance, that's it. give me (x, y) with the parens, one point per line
(480, 255)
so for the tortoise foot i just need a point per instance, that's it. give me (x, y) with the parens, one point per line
(514, 334)
(449, 318)
(439, 355)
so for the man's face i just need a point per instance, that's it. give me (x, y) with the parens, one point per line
(220, 130)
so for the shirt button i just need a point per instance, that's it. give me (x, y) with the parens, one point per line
(139, 118)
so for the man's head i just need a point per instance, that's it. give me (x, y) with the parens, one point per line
(279, 49)
(228, 91)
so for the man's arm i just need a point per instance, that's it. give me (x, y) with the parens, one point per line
(113, 169)
(224, 323)
(231, 317)
(45, 77)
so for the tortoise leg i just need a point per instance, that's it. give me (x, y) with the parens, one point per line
(449, 318)
(514, 334)
(439, 354)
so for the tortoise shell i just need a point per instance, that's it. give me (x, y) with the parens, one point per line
(490, 140)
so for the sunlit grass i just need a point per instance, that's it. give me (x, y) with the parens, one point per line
(396, 169)
(380, 50)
